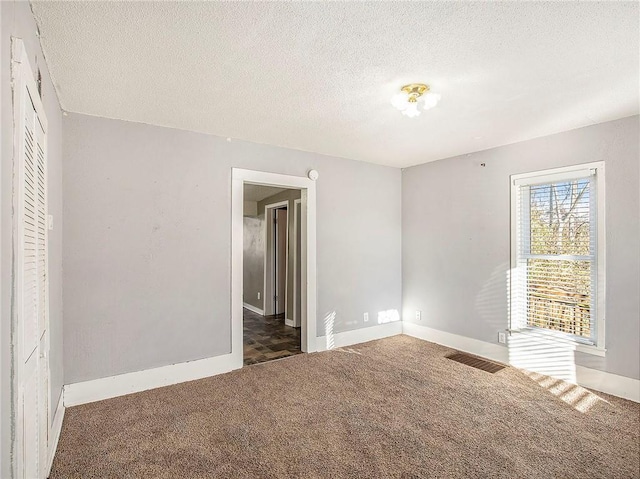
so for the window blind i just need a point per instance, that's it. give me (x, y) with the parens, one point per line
(556, 255)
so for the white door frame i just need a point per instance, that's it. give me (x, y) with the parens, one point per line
(308, 297)
(267, 303)
(23, 85)
(296, 206)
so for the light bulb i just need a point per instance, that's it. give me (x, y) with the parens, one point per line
(412, 110)
(400, 101)
(431, 100)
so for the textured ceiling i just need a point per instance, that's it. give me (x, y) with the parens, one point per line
(319, 76)
(259, 193)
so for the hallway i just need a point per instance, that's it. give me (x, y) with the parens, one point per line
(266, 338)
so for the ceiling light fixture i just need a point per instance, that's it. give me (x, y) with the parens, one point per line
(411, 96)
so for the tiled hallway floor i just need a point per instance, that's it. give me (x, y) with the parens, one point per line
(267, 338)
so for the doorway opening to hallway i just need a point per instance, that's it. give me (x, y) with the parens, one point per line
(271, 280)
(253, 282)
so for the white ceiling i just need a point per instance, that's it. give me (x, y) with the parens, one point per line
(259, 193)
(319, 76)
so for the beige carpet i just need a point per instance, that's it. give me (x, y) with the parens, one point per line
(394, 408)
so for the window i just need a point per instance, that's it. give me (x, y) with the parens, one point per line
(557, 270)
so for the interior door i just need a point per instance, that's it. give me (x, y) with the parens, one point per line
(31, 286)
(33, 294)
(281, 260)
(43, 303)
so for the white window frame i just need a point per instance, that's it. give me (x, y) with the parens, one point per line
(548, 176)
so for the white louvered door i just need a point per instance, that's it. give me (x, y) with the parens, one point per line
(30, 337)
(43, 301)
(31, 284)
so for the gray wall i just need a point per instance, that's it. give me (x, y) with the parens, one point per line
(455, 234)
(17, 20)
(253, 260)
(290, 196)
(147, 242)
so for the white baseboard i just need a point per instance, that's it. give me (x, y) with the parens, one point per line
(289, 322)
(105, 388)
(56, 429)
(614, 384)
(355, 336)
(609, 383)
(114, 386)
(455, 341)
(253, 308)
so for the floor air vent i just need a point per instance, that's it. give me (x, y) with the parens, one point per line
(475, 362)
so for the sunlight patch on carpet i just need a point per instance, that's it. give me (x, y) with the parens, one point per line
(575, 396)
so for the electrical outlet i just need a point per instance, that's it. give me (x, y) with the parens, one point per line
(366, 317)
(258, 294)
(418, 315)
(502, 337)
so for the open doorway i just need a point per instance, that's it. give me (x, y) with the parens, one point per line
(273, 266)
(269, 331)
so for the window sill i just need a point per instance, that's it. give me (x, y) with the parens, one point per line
(590, 349)
(563, 340)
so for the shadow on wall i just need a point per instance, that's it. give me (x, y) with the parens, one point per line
(549, 361)
(329, 321)
(493, 299)
(536, 352)
(543, 355)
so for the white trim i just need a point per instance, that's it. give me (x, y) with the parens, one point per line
(356, 336)
(601, 238)
(251, 307)
(286, 262)
(128, 383)
(455, 341)
(596, 169)
(56, 429)
(627, 388)
(553, 175)
(308, 193)
(267, 297)
(621, 386)
(289, 322)
(561, 339)
(308, 267)
(296, 206)
(105, 388)
(17, 418)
